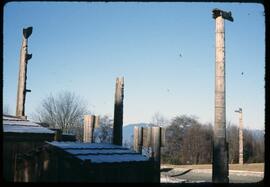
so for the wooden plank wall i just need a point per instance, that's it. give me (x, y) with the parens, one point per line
(52, 164)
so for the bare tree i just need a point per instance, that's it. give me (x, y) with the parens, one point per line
(77, 130)
(190, 142)
(159, 120)
(103, 134)
(197, 141)
(187, 141)
(64, 111)
(253, 145)
(172, 152)
(233, 140)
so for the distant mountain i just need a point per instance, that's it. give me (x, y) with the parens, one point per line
(258, 134)
(128, 131)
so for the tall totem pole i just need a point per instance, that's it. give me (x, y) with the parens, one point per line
(241, 155)
(220, 166)
(118, 111)
(24, 57)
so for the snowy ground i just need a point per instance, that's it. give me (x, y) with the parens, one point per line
(184, 175)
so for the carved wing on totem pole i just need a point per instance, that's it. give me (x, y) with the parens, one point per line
(223, 14)
(27, 32)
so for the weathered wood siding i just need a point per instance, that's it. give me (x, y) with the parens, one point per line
(52, 164)
(16, 144)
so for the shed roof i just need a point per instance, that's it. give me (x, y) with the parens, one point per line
(99, 153)
(17, 125)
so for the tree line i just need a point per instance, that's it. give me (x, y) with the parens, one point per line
(187, 140)
(190, 142)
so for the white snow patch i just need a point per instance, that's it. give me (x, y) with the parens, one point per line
(166, 179)
(246, 173)
(235, 172)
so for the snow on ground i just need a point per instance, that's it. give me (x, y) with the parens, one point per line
(166, 179)
(235, 172)
(205, 175)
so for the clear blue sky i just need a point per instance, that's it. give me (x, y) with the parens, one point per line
(83, 47)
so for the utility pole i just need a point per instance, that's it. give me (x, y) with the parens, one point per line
(118, 112)
(24, 57)
(241, 155)
(220, 150)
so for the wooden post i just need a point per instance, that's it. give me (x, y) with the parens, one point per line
(118, 112)
(88, 128)
(220, 149)
(148, 135)
(156, 144)
(26, 171)
(24, 57)
(96, 125)
(138, 139)
(58, 135)
(163, 137)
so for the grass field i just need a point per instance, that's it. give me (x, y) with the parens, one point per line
(245, 167)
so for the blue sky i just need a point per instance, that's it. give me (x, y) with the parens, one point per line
(83, 47)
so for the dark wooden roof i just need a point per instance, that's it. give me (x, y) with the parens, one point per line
(99, 153)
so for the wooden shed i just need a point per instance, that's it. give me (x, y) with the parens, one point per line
(20, 136)
(88, 162)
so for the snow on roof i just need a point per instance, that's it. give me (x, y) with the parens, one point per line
(113, 158)
(18, 125)
(26, 129)
(99, 153)
(95, 151)
(79, 145)
(20, 122)
(14, 118)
